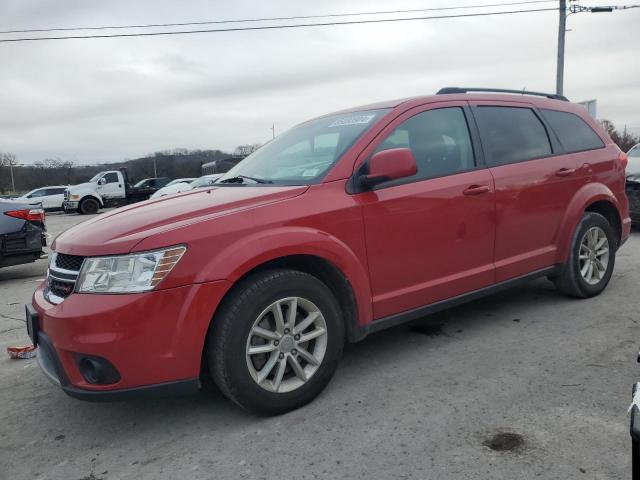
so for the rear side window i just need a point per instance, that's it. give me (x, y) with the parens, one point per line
(574, 133)
(511, 134)
(439, 140)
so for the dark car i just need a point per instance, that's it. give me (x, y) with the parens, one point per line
(22, 232)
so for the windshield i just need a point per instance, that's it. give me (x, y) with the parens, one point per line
(304, 154)
(95, 177)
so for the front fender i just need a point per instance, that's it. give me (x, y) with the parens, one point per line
(588, 194)
(234, 261)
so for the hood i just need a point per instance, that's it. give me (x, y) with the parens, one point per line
(120, 230)
(81, 186)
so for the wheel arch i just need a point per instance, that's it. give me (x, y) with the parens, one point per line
(299, 248)
(95, 197)
(593, 197)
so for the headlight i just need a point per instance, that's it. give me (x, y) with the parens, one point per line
(138, 272)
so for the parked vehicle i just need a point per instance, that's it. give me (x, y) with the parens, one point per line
(174, 186)
(222, 165)
(633, 183)
(109, 189)
(158, 182)
(634, 410)
(22, 232)
(51, 198)
(343, 226)
(9, 197)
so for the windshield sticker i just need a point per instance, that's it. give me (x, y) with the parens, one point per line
(312, 172)
(352, 120)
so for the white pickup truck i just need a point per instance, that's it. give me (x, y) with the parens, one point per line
(107, 189)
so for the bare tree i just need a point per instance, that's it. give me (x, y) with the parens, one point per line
(7, 162)
(625, 140)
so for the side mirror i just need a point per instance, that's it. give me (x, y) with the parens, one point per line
(102, 181)
(389, 165)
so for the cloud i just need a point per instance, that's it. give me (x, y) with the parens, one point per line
(100, 100)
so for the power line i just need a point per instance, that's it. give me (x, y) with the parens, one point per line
(269, 19)
(277, 27)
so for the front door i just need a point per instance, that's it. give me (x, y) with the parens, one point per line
(429, 237)
(112, 188)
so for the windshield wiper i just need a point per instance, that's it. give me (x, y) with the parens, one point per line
(242, 178)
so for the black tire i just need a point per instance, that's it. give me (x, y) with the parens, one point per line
(570, 281)
(230, 330)
(89, 206)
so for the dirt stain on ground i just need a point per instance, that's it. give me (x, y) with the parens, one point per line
(505, 442)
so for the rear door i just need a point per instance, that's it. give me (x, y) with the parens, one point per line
(429, 237)
(55, 197)
(534, 183)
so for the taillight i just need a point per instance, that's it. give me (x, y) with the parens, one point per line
(624, 160)
(32, 215)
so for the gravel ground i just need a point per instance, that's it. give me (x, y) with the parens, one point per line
(524, 384)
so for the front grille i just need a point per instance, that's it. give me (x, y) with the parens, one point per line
(60, 288)
(66, 194)
(68, 262)
(61, 276)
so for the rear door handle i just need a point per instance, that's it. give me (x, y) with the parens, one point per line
(565, 172)
(476, 190)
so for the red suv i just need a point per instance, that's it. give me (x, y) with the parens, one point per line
(342, 226)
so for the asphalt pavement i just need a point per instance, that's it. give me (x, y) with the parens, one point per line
(525, 384)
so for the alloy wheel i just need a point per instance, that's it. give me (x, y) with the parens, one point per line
(286, 344)
(593, 257)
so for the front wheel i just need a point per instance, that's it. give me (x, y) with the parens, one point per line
(276, 341)
(591, 260)
(89, 206)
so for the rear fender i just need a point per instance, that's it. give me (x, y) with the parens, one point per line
(588, 194)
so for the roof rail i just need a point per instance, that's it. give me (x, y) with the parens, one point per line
(553, 96)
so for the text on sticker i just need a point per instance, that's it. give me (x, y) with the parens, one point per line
(352, 120)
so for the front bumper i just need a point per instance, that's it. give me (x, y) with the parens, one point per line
(153, 340)
(70, 205)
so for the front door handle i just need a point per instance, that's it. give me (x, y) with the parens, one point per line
(476, 190)
(565, 172)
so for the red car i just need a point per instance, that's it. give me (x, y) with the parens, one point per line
(342, 226)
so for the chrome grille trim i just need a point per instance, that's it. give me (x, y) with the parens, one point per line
(54, 292)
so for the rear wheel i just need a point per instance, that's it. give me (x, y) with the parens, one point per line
(276, 341)
(89, 206)
(591, 260)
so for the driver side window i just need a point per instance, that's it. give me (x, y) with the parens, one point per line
(439, 140)
(111, 177)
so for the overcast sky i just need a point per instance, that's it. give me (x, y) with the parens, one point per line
(109, 99)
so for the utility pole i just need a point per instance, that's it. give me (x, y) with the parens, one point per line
(155, 172)
(13, 184)
(562, 29)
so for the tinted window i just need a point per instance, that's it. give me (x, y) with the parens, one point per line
(635, 152)
(38, 193)
(574, 133)
(511, 134)
(55, 191)
(111, 177)
(439, 140)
